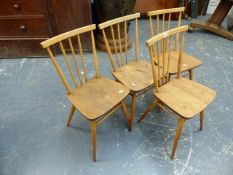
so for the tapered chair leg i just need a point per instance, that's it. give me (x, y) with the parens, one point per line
(150, 108)
(177, 137)
(191, 74)
(72, 108)
(201, 119)
(132, 111)
(124, 109)
(93, 135)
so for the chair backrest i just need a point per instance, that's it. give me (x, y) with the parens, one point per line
(114, 26)
(71, 39)
(162, 25)
(161, 62)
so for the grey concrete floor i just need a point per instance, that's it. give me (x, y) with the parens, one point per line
(34, 138)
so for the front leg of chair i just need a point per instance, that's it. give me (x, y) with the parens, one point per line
(201, 119)
(93, 135)
(191, 74)
(132, 111)
(124, 110)
(177, 137)
(72, 108)
(149, 109)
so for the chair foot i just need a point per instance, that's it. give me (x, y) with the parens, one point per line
(132, 111)
(150, 108)
(201, 120)
(177, 137)
(93, 135)
(72, 108)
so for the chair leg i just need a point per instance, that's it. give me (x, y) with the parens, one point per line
(93, 135)
(201, 119)
(124, 109)
(132, 111)
(191, 74)
(72, 108)
(152, 106)
(160, 109)
(177, 137)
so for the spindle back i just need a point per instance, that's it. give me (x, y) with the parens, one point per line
(163, 25)
(71, 39)
(114, 26)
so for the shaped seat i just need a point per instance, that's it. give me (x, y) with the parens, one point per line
(135, 75)
(97, 97)
(184, 97)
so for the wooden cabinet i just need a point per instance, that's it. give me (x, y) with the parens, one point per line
(25, 23)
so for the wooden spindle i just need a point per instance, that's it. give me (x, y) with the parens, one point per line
(109, 50)
(59, 71)
(115, 47)
(136, 40)
(180, 56)
(163, 55)
(68, 64)
(94, 54)
(169, 56)
(75, 61)
(82, 58)
(126, 42)
(157, 24)
(154, 69)
(158, 50)
(119, 39)
(177, 35)
(169, 21)
(152, 33)
(163, 22)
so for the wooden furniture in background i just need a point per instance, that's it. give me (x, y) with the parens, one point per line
(213, 24)
(189, 61)
(182, 97)
(133, 73)
(24, 24)
(96, 97)
(143, 6)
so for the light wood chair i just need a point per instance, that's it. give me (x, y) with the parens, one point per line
(97, 97)
(182, 97)
(133, 73)
(189, 62)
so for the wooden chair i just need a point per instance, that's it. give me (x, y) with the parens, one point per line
(180, 96)
(96, 98)
(189, 61)
(133, 73)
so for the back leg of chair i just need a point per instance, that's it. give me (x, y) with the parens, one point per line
(132, 112)
(177, 137)
(201, 119)
(93, 135)
(191, 74)
(72, 109)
